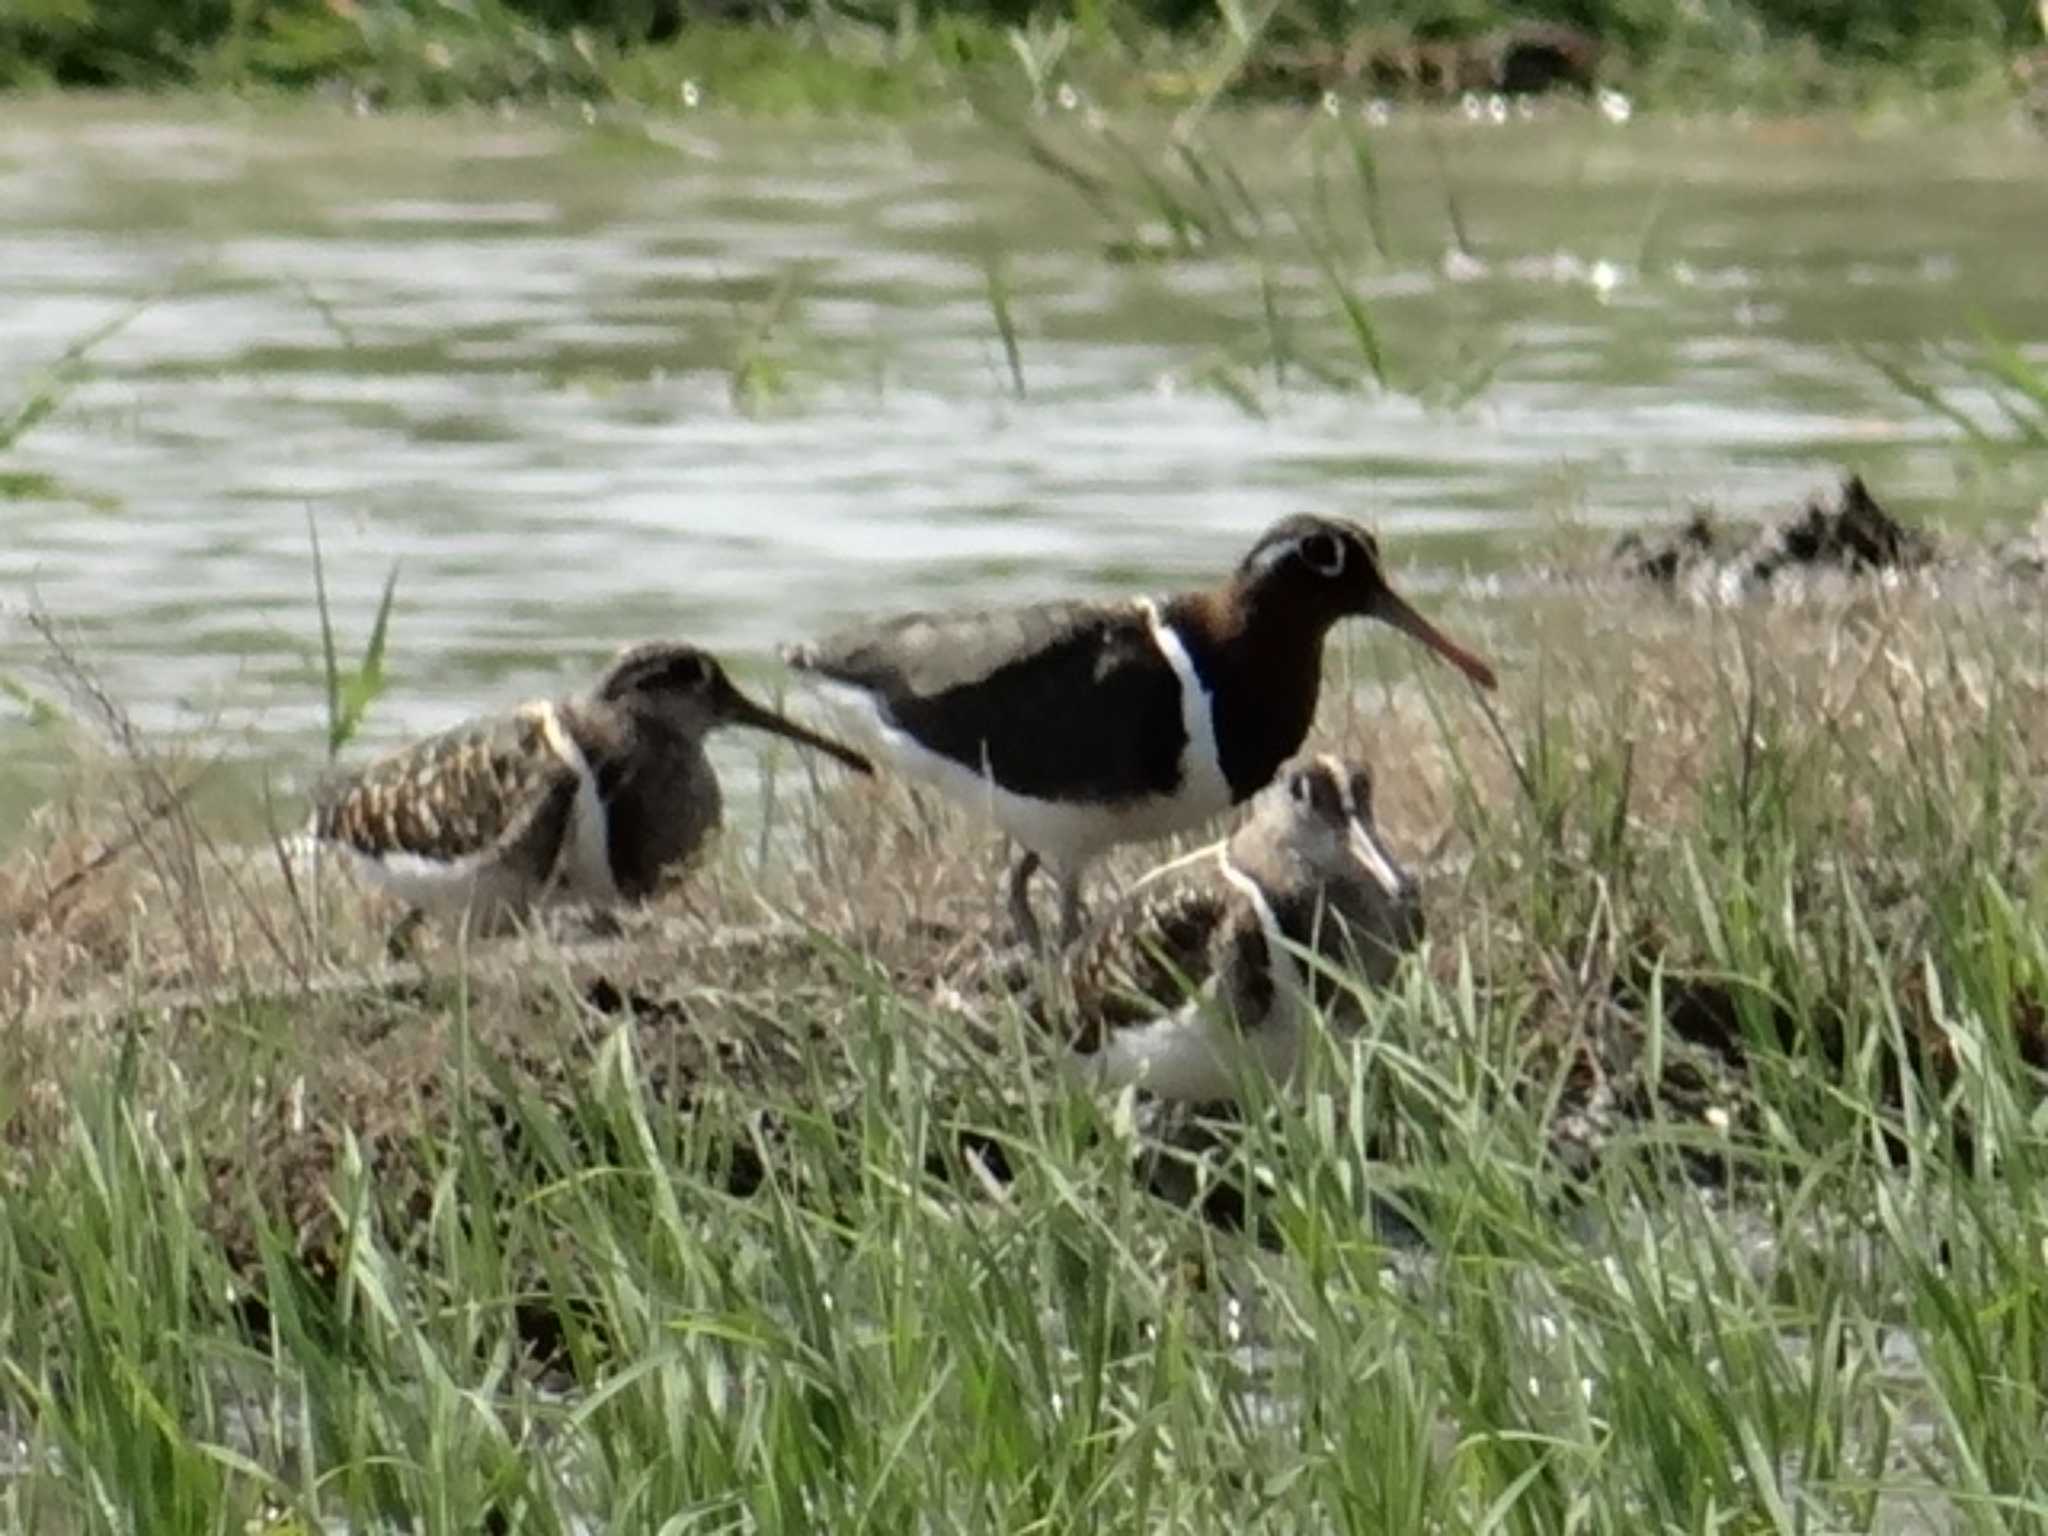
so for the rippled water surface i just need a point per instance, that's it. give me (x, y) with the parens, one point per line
(742, 381)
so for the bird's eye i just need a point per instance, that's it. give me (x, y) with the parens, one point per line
(690, 672)
(1323, 553)
(1301, 787)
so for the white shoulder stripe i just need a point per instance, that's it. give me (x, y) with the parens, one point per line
(1201, 765)
(585, 865)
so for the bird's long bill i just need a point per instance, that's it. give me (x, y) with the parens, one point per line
(1393, 609)
(741, 710)
(1367, 850)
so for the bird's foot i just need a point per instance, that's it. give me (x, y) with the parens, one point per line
(1073, 916)
(401, 944)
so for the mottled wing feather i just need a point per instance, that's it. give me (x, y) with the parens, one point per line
(1244, 966)
(1146, 959)
(472, 790)
(1071, 701)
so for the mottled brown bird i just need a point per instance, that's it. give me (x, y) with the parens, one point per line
(1186, 986)
(592, 799)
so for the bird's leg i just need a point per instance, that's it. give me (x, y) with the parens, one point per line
(1071, 915)
(1020, 901)
(398, 946)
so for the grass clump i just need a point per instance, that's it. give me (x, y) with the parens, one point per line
(1691, 1179)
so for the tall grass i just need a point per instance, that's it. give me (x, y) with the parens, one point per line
(1308, 260)
(998, 280)
(1693, 1180)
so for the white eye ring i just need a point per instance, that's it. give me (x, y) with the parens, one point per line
(1317, 542)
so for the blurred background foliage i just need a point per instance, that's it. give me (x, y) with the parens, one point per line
(431, 51)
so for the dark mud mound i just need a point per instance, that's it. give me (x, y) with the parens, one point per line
(1522, 59)
(1855, 536)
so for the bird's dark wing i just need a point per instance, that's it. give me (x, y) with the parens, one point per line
(1071, 701)
(1147, 958)
(479, 787)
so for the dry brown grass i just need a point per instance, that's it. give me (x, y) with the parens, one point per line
(1638, 751)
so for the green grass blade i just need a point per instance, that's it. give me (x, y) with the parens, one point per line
(1277, 341)
(2023, 399)
(63, 375)
(1228, 380)
(330, 664)
(1366, 162)
(998, 281)
(1357, 316)
(1921, 392)
(362, 687)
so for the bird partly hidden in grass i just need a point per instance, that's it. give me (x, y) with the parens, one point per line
(1225, 966)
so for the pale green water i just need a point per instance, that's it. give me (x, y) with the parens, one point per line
(502, 351)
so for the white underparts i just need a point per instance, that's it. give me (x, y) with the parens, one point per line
(1065, 833)
(435, 885)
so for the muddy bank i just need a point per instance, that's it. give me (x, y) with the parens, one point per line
(1851, 534)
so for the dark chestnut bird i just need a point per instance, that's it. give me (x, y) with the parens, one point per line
(1078, 726)
(591, 799)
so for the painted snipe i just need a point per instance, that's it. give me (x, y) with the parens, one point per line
(591, 799)
(1081, 725)
(1186, 986)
